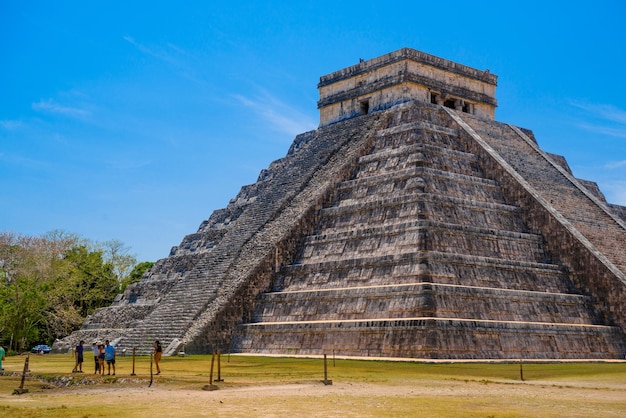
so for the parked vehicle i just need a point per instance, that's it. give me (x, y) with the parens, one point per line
(41, 349)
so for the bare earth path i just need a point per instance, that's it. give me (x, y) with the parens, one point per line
(430, 398)
(286, 388)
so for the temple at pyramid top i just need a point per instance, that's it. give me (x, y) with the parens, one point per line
(401, 76)
(410, 224)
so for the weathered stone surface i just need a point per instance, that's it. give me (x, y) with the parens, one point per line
(402, 76)
(415, 226)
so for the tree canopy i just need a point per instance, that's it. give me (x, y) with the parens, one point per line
(49, 284)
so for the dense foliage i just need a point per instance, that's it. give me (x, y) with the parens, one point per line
(49, 284)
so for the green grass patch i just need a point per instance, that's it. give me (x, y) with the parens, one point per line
(275, 386)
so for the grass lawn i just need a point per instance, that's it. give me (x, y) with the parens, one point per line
(276, 386)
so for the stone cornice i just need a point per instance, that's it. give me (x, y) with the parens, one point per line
(390, 81)
(408, 54)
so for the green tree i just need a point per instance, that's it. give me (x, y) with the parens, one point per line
(122, 262)
(93, 282)
(49, 284)
(24, 272)
(137, 273)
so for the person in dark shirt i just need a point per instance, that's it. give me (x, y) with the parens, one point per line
(78, 352)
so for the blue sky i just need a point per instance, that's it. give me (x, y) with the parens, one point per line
(136, 120)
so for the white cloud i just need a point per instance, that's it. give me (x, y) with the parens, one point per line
(50, 106)
(10, 125)
(158, 53)
(615, 192)
(616, 164)
(172, 55)
(612, 119)
(18, 160)
(279, 115)
(604, 111)
(604, 130)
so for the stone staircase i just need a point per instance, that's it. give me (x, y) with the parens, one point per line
(191, 299)
(579, 206)
(396, 233)
(420, 255)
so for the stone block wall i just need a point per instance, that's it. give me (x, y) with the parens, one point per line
(400, 227)
(403, 76)
(433, 338)
(592, 251)
(275, 243)
(420, 254)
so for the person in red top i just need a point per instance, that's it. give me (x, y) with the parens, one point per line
(101, 357)
(96, 354)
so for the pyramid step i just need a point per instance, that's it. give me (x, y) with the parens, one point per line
(424, 299)
(433, 338)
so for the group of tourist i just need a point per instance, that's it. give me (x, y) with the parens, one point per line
(101, 353)
(104, 353)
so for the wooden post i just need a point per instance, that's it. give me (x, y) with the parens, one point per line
(151, 357)
(134, 353)
(211, 386)
(75, 369)
(219, 366)
(521, 370)
(326, 381)
(211, 372)
(25, 370)
(21, 389)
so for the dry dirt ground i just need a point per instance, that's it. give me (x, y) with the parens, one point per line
(288, 387)
(429, 398)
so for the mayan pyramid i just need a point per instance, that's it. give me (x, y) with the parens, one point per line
(409, 224)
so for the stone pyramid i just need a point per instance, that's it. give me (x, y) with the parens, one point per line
(409, 224)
